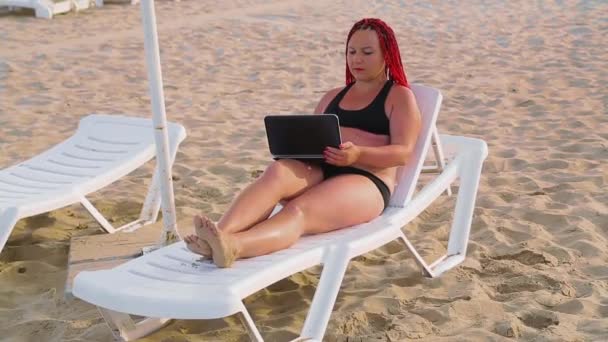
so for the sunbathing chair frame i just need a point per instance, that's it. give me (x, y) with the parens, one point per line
(163, 283)
(335, 257)
(104, 149)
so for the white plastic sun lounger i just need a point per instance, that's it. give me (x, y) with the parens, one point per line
(99, 3)
(103, 149)
(172, 283)
(47, 8)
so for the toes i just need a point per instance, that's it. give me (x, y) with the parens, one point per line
(199, 247)
(192, 247)
(203, 226)
(197, 221)
(221, 247)
(203, 247)
(190, 238)
(211, 227)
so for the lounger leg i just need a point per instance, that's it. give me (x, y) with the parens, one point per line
(325, 296)
(124, 329)
(97, 216)
(151, 207)
(8, 219)
(149, 211)
(43, 10)
(152, 203)
(437, 153)
(469, 174)
(107, 226)
(439, 157)
(465, 205)
(252, 330)
(426, 269)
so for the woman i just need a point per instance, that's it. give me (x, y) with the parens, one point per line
(380, 123)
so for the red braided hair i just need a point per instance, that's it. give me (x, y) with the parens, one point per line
(389, 46)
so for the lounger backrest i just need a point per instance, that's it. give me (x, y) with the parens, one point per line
(104, 149)
(429, 102)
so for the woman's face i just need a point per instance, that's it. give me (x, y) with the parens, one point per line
(364, 56)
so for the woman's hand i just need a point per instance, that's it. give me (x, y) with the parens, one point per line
(347, 154)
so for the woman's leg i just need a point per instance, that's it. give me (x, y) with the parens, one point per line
(283, 179)
(336, 203)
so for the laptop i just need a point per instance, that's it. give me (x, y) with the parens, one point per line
(298, 136)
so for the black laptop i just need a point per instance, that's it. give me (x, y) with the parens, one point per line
(298, 136)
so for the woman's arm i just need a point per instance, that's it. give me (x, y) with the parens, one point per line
(326, 99)
(405, 125)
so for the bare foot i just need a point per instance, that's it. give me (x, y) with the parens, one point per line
(198, 246)
(223, 248)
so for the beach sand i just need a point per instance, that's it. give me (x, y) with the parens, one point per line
(527, 77)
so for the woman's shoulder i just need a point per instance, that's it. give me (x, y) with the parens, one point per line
(401, 90)
(400, 93)
(333, 92)
(327, 98)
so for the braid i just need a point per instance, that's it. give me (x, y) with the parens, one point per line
(389, 46)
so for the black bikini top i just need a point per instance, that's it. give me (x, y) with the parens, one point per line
(372, 118)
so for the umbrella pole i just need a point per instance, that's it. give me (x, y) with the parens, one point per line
(169, 232)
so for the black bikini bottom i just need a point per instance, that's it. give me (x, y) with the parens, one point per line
(332, 171)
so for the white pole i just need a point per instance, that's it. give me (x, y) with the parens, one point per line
(169, 232)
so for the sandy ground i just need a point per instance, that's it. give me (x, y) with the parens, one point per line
(527, 77)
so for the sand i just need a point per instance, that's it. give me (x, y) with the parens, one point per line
(527, 77)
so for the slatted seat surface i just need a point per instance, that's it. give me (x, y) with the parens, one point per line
(173, 282)
(104, 148)
(195, 288)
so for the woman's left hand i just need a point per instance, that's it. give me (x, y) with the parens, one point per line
(347, 154)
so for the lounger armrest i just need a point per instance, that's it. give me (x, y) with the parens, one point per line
(466, 166)
(468, 158)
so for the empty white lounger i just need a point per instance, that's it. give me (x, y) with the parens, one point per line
(99, 3)
(103, 149)
(47, 8)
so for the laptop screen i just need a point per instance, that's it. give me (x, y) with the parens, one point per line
(301, 135)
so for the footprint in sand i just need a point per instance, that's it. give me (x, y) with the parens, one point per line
(572, 307)
(533, 283)
(539, 319)
(529, 257)
(508, 328)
